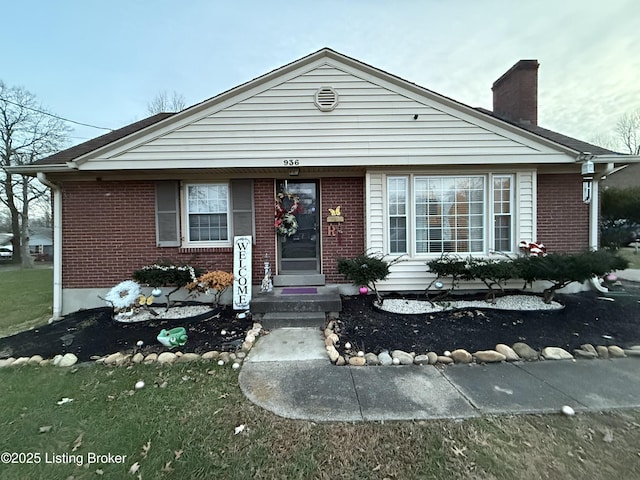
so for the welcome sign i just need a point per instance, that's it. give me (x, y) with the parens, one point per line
(241, 272)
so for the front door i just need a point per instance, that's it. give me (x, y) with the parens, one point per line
(299, 245)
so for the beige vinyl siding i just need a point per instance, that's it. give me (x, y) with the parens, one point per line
(375, 212)
(370, 120)
(525, 200)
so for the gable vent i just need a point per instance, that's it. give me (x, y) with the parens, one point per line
(326, 99)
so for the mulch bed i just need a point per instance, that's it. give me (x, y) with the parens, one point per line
(93, 332)
(584, 319)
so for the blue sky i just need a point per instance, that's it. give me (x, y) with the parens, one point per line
(101, 62)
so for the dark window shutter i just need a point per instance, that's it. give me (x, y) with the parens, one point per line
(168, 214)
(242, 206)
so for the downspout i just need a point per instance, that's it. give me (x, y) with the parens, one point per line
(593, 220)
(593, 206)
(57, 245)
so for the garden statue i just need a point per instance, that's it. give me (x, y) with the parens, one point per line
(176, 337)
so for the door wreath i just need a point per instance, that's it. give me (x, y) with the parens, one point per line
(286, 223)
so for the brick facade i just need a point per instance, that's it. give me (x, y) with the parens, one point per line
(109, 227)
(348, 192)
(109, 231)
(563, 219)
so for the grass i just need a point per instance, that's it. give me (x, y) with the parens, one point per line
(182, 424)
(629, 254)
(26, 299)
(187, 430)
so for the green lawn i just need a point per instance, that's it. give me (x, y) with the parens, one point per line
(182, 424)
(26, 298)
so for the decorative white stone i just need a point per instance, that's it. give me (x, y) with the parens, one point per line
(188, 357)
(20, 361)
(35, 360)
(333, 354)
(67, 360)
(6, 362)
(357, 361)
(166, 357)
(211, 355)
(139, 384)
(56, 360)
(524, 351)
(151, 358)
(509, 353)
(421, 360)
(371, 358)
(138, 358)
(616, 352)
(568, 411)
(556, 353)
(489, 356)
(384, 358)
(461, 356)
(109, 360)
(403, 358)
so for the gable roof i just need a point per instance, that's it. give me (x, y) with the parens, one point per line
(144, 128)
(570, 142)
(81, 149)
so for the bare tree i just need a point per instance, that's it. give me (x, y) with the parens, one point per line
(163, 102)
(628, 131)
(27, 133)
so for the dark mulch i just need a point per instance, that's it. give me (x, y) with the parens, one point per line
(584, 319)
(93, 332)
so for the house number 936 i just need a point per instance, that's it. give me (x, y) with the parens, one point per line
(291, 162)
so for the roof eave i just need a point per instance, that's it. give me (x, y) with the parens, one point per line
(33, 170)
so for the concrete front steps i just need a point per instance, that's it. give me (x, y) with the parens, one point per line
(278, 310)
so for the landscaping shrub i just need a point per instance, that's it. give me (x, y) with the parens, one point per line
(167, 274)
(492, 272)
(448, 266)
(366, 270)
(561, 269)
(216, 282)
(558, 268)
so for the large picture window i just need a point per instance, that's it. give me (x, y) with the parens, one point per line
(207, 212)
(463, 214)
(449, 214)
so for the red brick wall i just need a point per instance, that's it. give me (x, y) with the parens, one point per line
(264, 201)
(563, 219)
(348, 192)
(109, 231)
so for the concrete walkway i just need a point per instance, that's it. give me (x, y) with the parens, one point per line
(288, 373)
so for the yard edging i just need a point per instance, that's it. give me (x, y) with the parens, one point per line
(118, 359)
(520, 351)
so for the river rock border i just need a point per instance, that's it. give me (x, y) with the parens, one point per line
(122, 359)
(519, 351)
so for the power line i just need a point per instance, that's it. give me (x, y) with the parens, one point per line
(55, 116)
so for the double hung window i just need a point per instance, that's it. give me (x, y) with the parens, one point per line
(207, 208)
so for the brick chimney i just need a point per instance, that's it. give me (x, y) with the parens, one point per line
(515, 94)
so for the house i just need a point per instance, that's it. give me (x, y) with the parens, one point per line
(414, 173)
